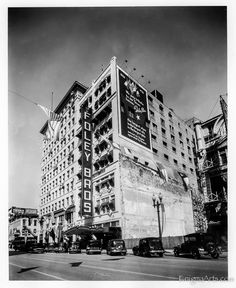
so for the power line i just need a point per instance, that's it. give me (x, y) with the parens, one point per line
(11, 91)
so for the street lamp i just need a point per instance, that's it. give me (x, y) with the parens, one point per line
(157, 202)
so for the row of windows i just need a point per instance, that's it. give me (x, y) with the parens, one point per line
(164, 143)
(58, 205)
(59, 168)
(163, 123)
(161, 111)
(29, 222)
(61, 184)
(57, 159)
(57, 149)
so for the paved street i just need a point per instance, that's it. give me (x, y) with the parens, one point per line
(66, 267)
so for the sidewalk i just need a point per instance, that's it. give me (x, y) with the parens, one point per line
(170, 252)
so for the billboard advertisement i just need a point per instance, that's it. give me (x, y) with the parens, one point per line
(24, 211)
(86, 203)
(133, 110)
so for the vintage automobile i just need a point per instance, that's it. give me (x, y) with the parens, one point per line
(94, 247)
(197, 245)
(116, 246)
(36, 248)
(150, 246)
(52, 248)
(22, 244)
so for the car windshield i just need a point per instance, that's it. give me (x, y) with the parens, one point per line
(154, 242)
(117, 243)
(94, 243)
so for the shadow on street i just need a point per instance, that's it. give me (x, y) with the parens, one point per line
(27, 269)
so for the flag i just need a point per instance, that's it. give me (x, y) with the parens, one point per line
(54, 123)
(185, 179)
(162, 171)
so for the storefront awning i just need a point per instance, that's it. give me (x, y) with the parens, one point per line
(82, 230)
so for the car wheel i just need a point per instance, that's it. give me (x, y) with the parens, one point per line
(176, 252)
(161, 254)
(107, 252)
(123, 254)
(195, 254)
(215, 255)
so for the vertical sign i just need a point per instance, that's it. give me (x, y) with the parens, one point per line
(86, 203)
(133, 107)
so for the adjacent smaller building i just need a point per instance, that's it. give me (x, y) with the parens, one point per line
(211, 160)
(23, 222)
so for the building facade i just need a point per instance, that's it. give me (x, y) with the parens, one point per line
(23, 222)
(211, 157)
(119, 144)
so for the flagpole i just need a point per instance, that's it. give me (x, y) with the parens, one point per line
(52, 102)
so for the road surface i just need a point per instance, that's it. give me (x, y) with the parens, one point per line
(66, 267)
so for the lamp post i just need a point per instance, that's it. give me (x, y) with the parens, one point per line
(157, 201)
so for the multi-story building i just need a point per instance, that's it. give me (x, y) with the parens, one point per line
(211, 157)
(119, 144)
(23, 222)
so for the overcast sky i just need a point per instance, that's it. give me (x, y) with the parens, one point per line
(182, 51)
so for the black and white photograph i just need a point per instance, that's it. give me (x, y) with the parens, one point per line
(117, 144)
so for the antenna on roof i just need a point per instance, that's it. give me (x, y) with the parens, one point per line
(102, 68)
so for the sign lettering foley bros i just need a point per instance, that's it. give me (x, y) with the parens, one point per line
(133, 102)
(86, 163)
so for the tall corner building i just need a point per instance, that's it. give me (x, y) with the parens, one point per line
(119, 144)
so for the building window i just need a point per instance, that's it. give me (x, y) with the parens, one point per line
(191, 170)
(154, 127)
(172, 138)
(175, 162)
(161, 109)
(184, 166)
(164, 144)
(171, 129)
(166, 157)
(154, 137)
(181, 144)
(163, 131)
(189, 150)
(154, 150)
(182, 154)
(162, 122)
(151, 113)
(190, 159)
(135, 159)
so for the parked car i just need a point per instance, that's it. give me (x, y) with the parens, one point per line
(22, 244)
(94, 247)
(35, 248)
(150, 246)
(116, 246)
(75, 248)
(52, 248)
(197, 245)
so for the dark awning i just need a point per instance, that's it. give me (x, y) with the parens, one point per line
(82, 230)
(70, 208)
